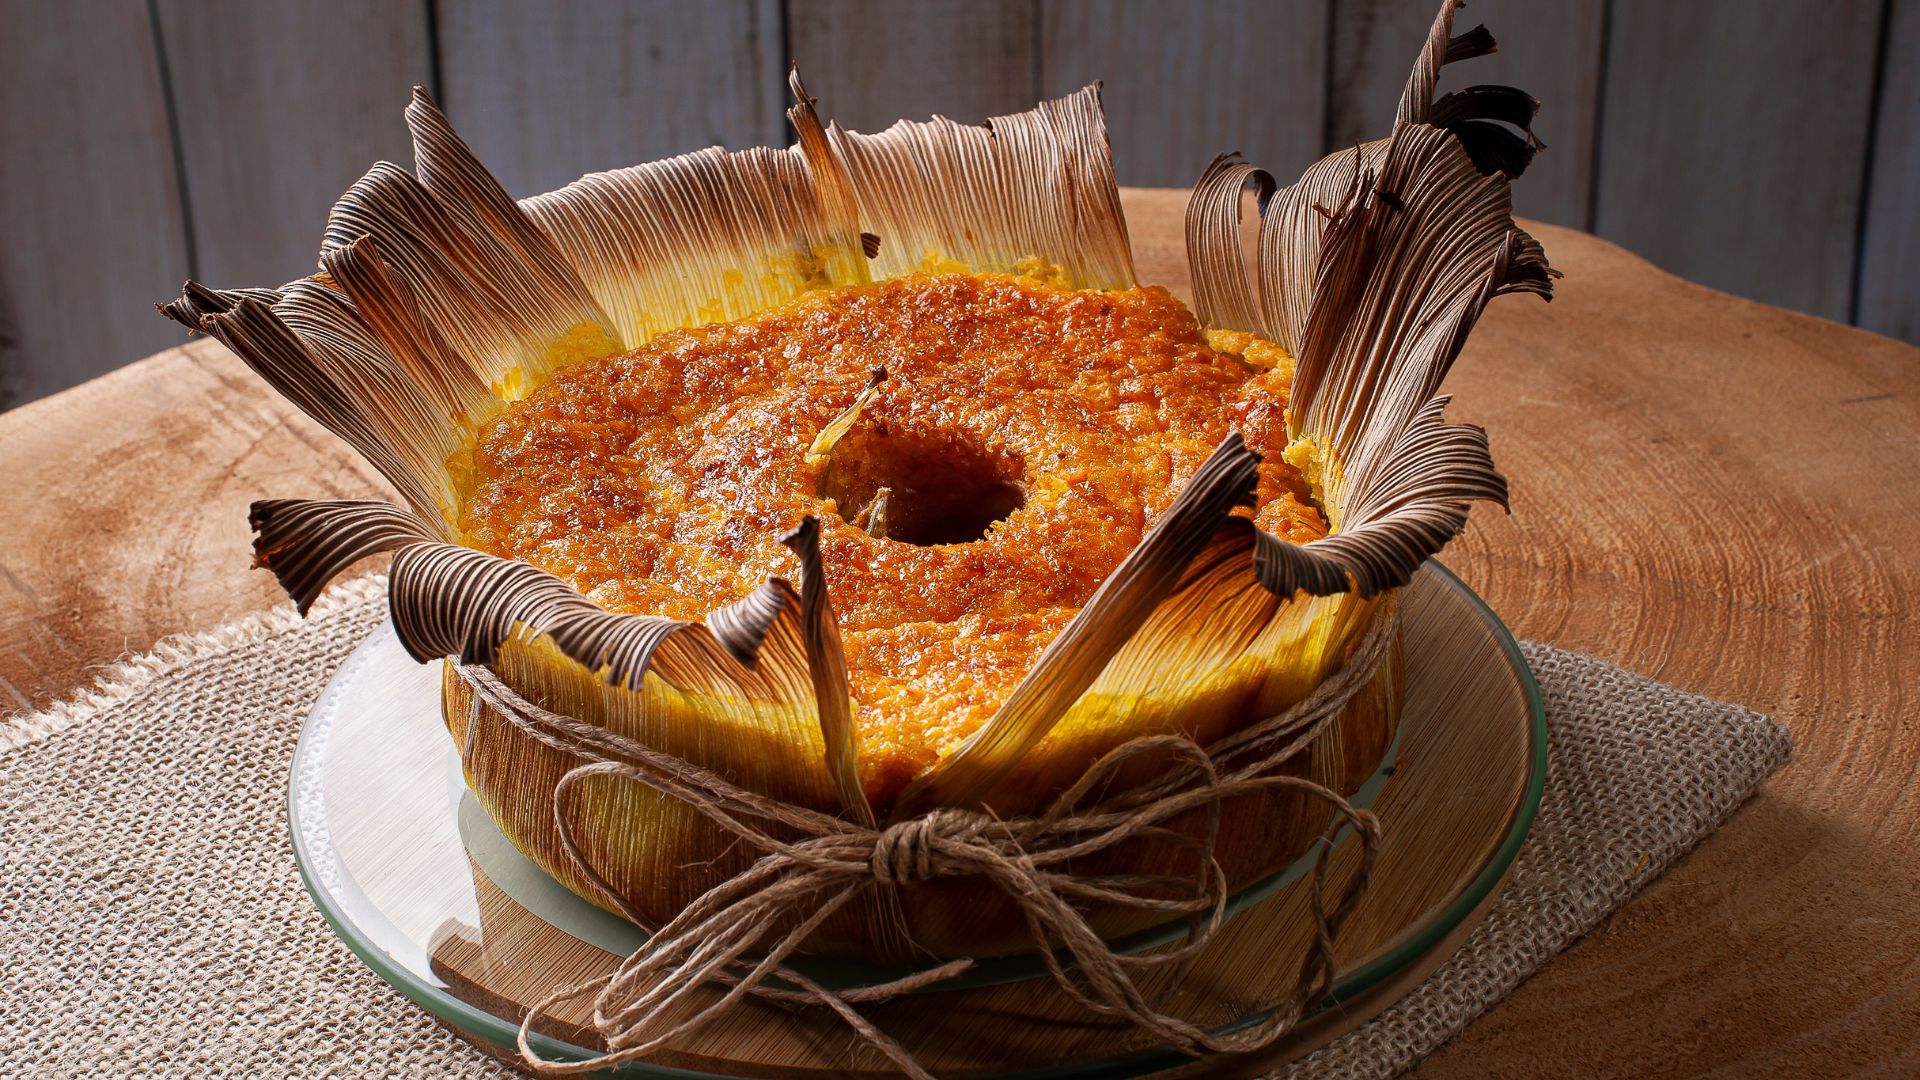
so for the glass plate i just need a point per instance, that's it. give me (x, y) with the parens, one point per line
(416, 879)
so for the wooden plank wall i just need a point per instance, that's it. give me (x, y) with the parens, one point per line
(1887, 293)
(279, 107)
(1758, 126)
(91, 215)
(547, 92)
(1776, 155)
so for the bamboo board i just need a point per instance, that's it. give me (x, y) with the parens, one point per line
(409, 871)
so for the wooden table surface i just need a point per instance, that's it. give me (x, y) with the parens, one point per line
(1716, 493)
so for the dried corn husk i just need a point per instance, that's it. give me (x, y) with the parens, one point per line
(440, 301)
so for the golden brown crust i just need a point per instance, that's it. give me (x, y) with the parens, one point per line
(655, 481)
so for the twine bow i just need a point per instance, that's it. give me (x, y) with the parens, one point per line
(740, 934)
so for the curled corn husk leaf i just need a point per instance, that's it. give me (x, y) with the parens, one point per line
(1035, 185)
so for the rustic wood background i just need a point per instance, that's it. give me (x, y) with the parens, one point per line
(1767, 147)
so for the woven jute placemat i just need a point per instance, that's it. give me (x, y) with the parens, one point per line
(152, 921)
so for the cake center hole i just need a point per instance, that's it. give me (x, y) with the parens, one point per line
(919, 489)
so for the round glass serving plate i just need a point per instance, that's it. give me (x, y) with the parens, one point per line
(416, 879)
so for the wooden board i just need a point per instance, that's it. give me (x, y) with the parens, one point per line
(407, 866)
(546, 92)
(1185, 81)
(90, 207)
(1717, 493)
(1762, 112)
(280, 107)
(1888, 296)
(1551, 50)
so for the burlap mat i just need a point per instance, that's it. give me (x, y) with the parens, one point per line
(152, 922)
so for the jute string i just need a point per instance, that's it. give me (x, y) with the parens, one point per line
(819, 863)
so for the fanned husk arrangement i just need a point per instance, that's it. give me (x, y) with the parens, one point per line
(440, 300)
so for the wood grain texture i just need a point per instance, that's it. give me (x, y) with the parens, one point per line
(89, 207)
(1187, 81)
(281, 106)
(1762, 553)
(1889, 289)
(1714, 492)
(871, 62)
(546, 92)
(1761, 116)
(192, 437)
(1551, 50)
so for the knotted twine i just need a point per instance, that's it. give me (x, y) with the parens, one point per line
(719, 939)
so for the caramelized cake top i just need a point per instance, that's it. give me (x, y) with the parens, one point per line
(1025, 438)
